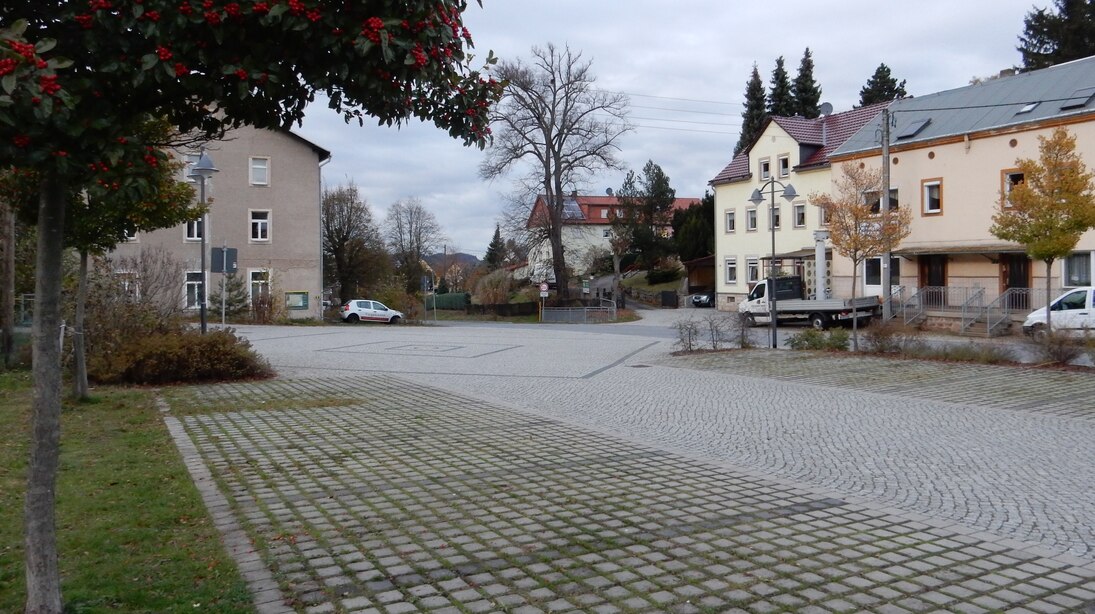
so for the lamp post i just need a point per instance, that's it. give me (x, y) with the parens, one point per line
(757, 198)
(201, 171)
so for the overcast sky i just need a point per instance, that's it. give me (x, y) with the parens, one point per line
(684, 66)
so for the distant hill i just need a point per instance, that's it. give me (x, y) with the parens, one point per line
(459, 257)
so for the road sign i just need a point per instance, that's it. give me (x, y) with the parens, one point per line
(543, 288)
(224, 260)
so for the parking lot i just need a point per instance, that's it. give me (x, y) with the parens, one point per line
(500, 467)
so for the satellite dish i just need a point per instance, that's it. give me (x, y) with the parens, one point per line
(825, 109)
(608, 191)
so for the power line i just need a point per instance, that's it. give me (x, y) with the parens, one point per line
(670, 98)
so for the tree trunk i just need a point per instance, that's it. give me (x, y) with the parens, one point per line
(79, 352)
(1049, 295)
(42, 575)
(855, 318)
(7, 285)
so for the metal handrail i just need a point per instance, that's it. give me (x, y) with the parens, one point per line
(972, 308)
(897, 294)
(916, 304)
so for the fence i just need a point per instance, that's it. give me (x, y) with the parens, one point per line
(504, 309)
(605, 311)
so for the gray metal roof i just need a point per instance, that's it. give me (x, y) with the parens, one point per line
(1060, 91)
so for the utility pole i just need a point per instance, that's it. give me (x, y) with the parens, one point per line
(884, 201)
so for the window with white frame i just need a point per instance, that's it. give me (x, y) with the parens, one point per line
(193, 289)
(258, 284)
(260, 225)
(800, 215)
(783, 165)
(606, 233)
(874, 199)
(773, 215)
(1011, 179)
(933, 196)
(194, 229)
(765, 169)
(730, 268)
(604, 214)
(190, 160)
(872, 271)
(823, 217)
(752, 270)
(751, 218)
(131, 236)
(259, 171)
(731, 223)
(129, 284)
(1078, 269)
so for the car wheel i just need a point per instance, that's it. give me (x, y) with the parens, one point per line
(749, 320)
(819, 321)
(352, 318)
(394, 320)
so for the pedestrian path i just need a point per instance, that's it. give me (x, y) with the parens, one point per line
(377, 494)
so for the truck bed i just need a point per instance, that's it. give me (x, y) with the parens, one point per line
(825, 304)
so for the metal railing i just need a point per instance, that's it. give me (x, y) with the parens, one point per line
(972, 308)
(897, 299)
(605, 312)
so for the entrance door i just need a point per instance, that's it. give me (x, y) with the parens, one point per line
(933, 274)
(1015, 273)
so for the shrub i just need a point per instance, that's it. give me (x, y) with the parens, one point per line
(1056, 347)
(968, 352)
(688, 332)
(890, 338)
(835, 339)
(494, 288)
(184, 356)
(661, 276)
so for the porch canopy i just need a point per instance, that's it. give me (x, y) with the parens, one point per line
(952, 249)
(806, 253)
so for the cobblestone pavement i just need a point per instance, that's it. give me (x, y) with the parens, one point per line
(435, 421)
(373, 494)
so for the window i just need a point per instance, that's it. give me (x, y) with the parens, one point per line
(193, 289)
(260, 225)
(751, 219)
(731, 223)
(1071, 301)
(259, 284)
(1011, 179)
(872, 271)
(1078, 269)
(765, 169)
(194, 229)
(190, 160)
(752, 270)
(800, 215)
(933, 196)
(783, 163)
(823, 217)
(606, 233)
(260, 171)
(731, 268)
(604, 214)
(773, 213)
(129, 284)
(873, 198)
(131, 236)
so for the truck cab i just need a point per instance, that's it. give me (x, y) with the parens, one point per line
(1073, 314)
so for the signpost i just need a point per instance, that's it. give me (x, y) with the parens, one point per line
(224, 265)
(543, 295)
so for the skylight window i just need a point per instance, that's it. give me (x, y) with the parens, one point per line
(1027, 108)
(571, 210)
(913, 129)
(1078, 99)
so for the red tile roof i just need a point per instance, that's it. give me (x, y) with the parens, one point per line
(588, 204)
(825, 133)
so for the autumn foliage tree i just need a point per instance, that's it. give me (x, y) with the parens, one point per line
(859, 228)
(1053, 205)
(77, 77)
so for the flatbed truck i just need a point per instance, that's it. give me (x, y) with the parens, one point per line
(792, 304)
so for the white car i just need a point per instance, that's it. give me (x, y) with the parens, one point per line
(365, 310)
(1073, 314)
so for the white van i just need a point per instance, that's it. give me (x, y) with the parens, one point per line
(1073, 313)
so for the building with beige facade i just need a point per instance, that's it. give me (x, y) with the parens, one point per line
(791, 151)
(265, 203)
(952, 159)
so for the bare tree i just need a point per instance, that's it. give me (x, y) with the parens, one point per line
(552, 117)
(412, 233)
(352, 246)
(858, 227)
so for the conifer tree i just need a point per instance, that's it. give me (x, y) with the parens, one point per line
(1053, 37)
(496, 251)
(755, 114)
(806, 90)
(780, 99)
(881, 87)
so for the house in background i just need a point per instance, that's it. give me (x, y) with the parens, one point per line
(587, 229)
(265, 203)
(952, 157)
(790, 150)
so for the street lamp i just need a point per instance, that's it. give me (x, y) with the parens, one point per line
(757, 198)
(201, 171)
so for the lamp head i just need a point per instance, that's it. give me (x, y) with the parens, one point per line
(756, 198)
(204, 167)
(789, 192)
